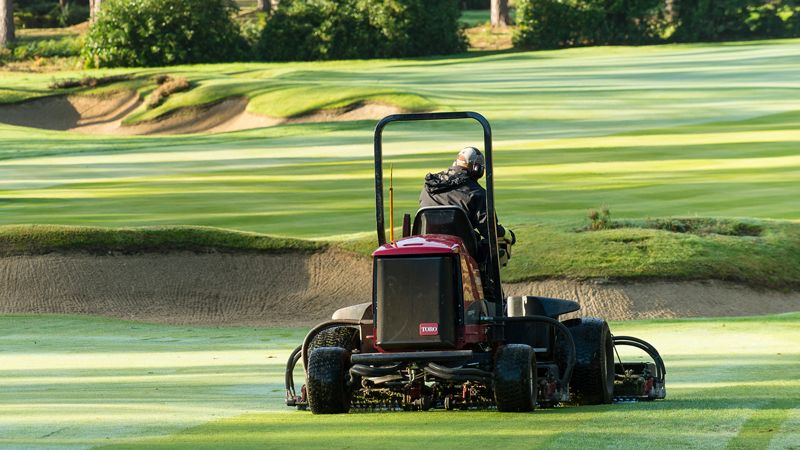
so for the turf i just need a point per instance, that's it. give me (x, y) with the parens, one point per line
(666, 131)
(80, 382)
(708, 130)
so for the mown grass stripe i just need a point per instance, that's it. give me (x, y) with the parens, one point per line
(762, 425)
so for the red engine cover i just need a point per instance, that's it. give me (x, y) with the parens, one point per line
(423, 244)
(442, 244)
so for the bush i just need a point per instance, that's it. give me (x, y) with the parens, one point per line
(544, 24)
(569, 23)
(161, 32)
(721, 20)
(347, 29)
(599, 220)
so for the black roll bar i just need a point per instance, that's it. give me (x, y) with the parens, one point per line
(493, 262)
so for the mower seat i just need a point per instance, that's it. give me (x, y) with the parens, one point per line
(449, 220)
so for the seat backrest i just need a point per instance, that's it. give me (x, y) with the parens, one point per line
(449, 220)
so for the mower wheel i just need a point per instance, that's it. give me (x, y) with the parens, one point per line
(344, 337)
(515, 378)
(327, 380)
(592, 380)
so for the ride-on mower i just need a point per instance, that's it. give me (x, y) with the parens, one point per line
(439, 333)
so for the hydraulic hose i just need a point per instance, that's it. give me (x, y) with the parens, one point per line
(454, 376)
(369, 372)
(289, 376)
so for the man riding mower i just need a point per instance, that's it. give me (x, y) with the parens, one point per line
(438, 332)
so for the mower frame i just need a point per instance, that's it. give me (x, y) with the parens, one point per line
(493, 272)
(503, 328)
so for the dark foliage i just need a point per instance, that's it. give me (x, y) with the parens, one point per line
(554, 23)
(49, 13)
(721, 20)
(570, 23)
(303, 30)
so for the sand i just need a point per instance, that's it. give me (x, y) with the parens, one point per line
(302, 289)
(103, 114)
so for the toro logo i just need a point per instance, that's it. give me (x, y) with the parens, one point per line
(429, 329)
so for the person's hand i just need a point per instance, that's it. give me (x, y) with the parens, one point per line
(510, 238)
(504, 250)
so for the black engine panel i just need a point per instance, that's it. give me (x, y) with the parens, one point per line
(417, 301)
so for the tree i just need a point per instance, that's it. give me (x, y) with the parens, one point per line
(500, 13)
(6, 22)
(264, 5)
(94, 8)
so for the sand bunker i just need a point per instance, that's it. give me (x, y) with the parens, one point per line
(103, 114)
(88, 114)
(302, 289)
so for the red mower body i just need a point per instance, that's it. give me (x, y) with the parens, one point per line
(466, 330)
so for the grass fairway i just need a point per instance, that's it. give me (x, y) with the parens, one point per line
(80, 382)
(708, 130)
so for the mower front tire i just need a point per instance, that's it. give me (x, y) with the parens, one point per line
(515, 378)
(327, 388)
(592, 380)
(342, 336)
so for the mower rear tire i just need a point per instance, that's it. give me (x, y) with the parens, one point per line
(327, 388)
(515, 378)
(592, 380)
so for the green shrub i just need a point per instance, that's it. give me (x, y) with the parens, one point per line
(721, 20)
(544, 24)
(569, 23)
(599, 219)
(710, 20)
(348, 29)
(130, 33)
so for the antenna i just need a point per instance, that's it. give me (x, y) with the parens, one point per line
(391, 202)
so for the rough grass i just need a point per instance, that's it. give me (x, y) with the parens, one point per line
(42, 239)
(80, 381)
(638, 252)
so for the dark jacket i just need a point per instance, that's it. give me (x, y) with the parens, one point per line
(454, 186)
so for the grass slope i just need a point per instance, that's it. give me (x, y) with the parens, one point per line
(631, 253)
(42, 239)
(79, 382)
(708, 130)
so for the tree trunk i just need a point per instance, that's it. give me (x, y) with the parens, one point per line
(500, 13)
(264, 5)
(94, 8)
(6, 22)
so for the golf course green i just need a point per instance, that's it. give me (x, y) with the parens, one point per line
(693, 149)
(676, 130)
(77, 382)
